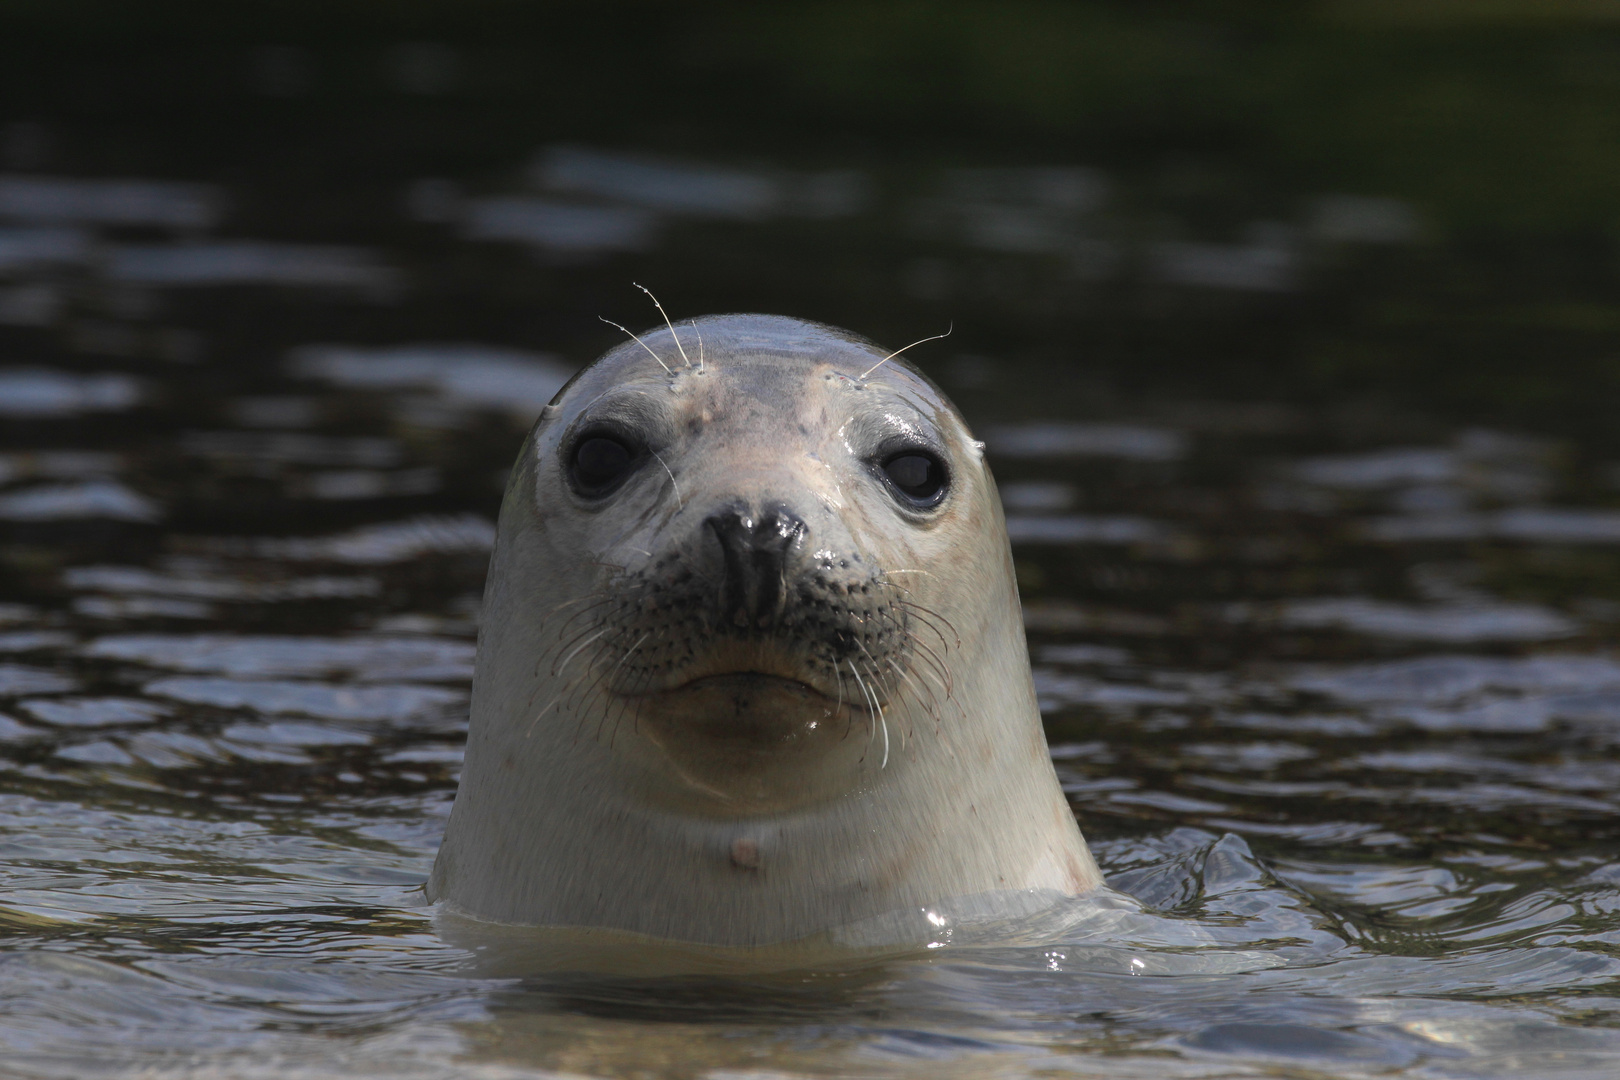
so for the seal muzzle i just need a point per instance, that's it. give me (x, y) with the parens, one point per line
(755, 551)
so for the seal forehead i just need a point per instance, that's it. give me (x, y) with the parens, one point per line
(765, 363)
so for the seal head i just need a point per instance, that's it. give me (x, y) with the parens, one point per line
(751, 666)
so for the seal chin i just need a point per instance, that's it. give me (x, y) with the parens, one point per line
(746, 742)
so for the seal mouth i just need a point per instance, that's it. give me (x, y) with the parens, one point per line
(754, 681)
(760, 669)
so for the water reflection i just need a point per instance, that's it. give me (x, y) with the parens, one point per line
(42, 393)
(58, 200)
(466, 378)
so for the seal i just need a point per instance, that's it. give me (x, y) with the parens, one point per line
(752, 666)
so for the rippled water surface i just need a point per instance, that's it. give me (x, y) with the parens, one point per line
(1333, 686)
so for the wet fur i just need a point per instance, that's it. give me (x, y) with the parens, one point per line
(875, 746)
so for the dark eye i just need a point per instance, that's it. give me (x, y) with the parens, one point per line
(599, 462)
(919, 477)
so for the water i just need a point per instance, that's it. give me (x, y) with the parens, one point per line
(1332, 684)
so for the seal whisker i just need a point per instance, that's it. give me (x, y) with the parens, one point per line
(584, 716)
(897, 697)
(601, 599)
(618, 705)
(585, 713)
(643, 344)
(875, 710)
(617, 712)
(895, 585)
(570, 687)
(551, 651)
(599, 595)
(563, 642)
(944, 668)
(627, 654)
(897, 352)
(598, 687)
(667, 323)
(849, 714)
(535, 722)
(920, 611)
(681, 503)
(902, 670)
(926, 670)
(579, 639)
(872, 673)
(883, 722)
(930, 673)
(699, 331)
(606, 679)
(582, 692)
(944, 643)
(633, 703)
(593, 614)
(932, 703)
(600, 690)
(559, 668)
(592, 611)
(885, 573)
(870, 698)
(587, 691)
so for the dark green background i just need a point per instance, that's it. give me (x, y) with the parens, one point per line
(1498, 119)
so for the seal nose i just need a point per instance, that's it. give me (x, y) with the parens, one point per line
(756, 550)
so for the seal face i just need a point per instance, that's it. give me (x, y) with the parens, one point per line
(751, 665)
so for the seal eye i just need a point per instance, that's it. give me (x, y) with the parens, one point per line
(599, 462)
(918, 477)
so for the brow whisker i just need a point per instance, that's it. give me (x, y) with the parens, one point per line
(897, 352)
(667, 369)
(667, 323)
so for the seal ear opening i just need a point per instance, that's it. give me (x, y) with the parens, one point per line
(555, 403)
(552, 407)
(562, 391)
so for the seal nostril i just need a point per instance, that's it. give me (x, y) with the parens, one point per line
(755, 550)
